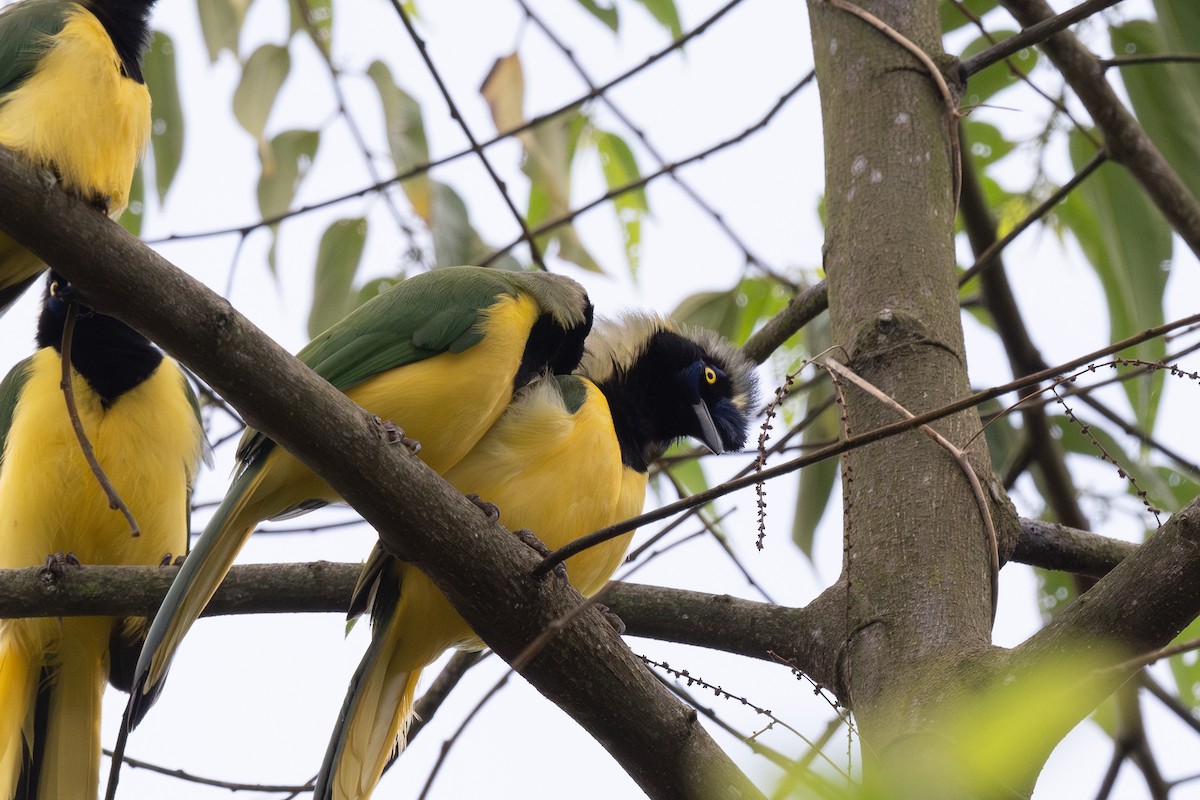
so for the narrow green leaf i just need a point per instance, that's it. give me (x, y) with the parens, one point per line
(816, 482)
(733, 313)
(135, 213)
(1129, 245)
(1180, 21)
(952, 18)
(606, 13)
(989, 82)
(1186, 668)
(986, 143)
(620, 168)
(166, 133)
(455, 241)
(262, 78)
(1166, 97)
(666, 14)
(406, 138)
(320, 21)
(338, 257)
(221, 24)
(285, 162)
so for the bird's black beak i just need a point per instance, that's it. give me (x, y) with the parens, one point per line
(709, 436)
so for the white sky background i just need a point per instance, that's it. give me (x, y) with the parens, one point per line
(253, 699)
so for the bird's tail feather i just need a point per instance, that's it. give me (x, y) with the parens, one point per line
(18, 684)
(71, 742)
(376, 711)
(50, 697)
(203, 570)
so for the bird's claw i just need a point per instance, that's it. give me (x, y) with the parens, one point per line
(490, 510)
(169, 560)
(393, 434)
(611, 618)
(529, 538)
(55, 567)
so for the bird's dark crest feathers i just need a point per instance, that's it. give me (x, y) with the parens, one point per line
(653, 373)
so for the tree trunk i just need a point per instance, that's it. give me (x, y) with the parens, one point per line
(917, 568)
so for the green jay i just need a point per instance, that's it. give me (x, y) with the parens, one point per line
(142, 420)
(73, 101)
(570, 455)
(440, 355)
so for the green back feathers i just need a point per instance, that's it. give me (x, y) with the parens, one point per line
(26, 30)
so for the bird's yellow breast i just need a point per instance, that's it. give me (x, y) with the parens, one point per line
(79, 115)
(148, 443)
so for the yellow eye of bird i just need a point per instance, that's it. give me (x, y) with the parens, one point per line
(710, 376)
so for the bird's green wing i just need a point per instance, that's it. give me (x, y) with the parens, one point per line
(26, 30)
(10, 392)
(429, 314)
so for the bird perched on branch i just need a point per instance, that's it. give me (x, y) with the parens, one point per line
(439, 354)
(72, 101)
(141, 418)
(569, 456)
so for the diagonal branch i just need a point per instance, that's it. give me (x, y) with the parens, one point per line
(655, 738)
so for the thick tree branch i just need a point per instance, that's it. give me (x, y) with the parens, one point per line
(1124, 138)
(1050, 545)
(654, 737)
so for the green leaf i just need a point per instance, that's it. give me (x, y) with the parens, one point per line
(320, 21)
(1185, 668)
(953, 19)
(455, 241)
(666, 14)
(406, 138)
(1003, 440)
(1180, 21)
(733, 313)
(605, 13)
(986, 143)
(1166, 97)
(285, 162)
(620, 168)
(135, 213)
(166, 133)
(221, 23)
(1129, 245)
(1056, 590)
(338, 257)
(997, 77)
(816, 481)
(262, 78)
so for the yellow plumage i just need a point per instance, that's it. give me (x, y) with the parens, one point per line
(80, 116)
(148, 443)
(445, 402)
(522, 465)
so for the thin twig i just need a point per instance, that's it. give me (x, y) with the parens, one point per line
(959, 456)
(566, 219)
(1146, 659)
(114, 500)
(232, 786)
(449, 743)
(1157, 58)
(989, 256)
(654, 152)
(422, 169)
(476, 148)
(1032, 35)
(851, 443)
